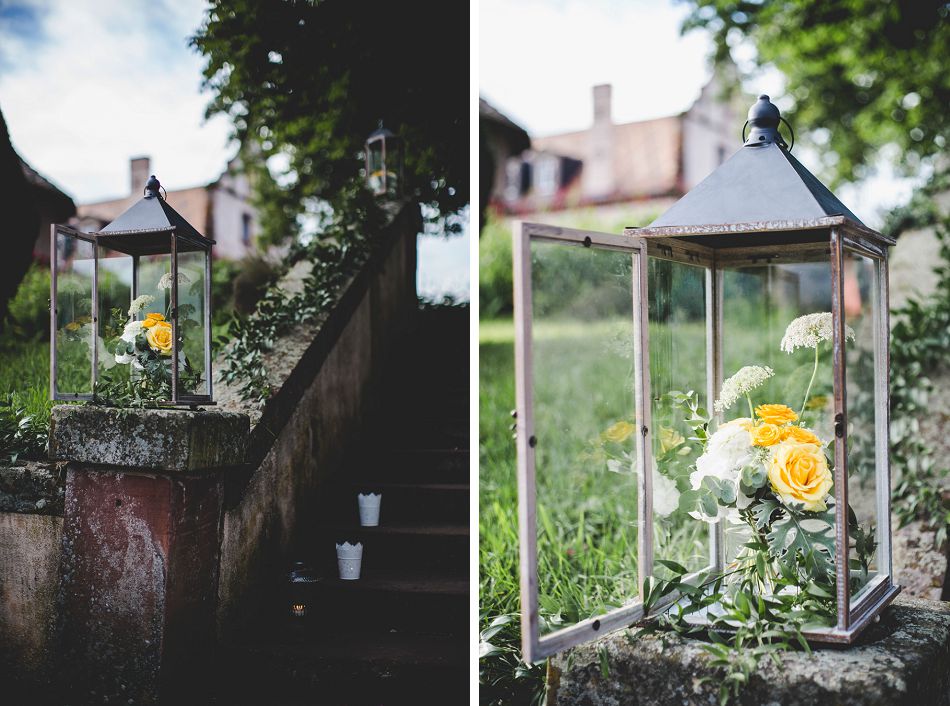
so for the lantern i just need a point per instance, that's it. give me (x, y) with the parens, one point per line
(131, 308)
(301, 581)
(714, 380)
(384, 156)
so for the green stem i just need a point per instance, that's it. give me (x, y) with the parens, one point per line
(811, 382)
(751, 411)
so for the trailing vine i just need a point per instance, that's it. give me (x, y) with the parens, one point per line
(346, 239)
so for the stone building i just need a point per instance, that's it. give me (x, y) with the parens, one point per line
(622, 167)
(221, 210)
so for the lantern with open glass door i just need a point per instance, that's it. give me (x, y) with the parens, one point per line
(131, 309)
(706, 400)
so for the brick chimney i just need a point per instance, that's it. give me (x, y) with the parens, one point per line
(139, 168)
(599, 166)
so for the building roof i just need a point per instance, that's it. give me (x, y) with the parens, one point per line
(516, 135)
(50, 198)
(757, 184)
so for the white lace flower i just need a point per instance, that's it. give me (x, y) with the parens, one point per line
(810, 330)
(166, 281)
(140, 303)
(744, 381)
(124, 358)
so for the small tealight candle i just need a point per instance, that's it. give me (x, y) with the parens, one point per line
(299, 610)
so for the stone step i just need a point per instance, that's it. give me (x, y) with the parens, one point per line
(402, 601)
(349, 667)
(412, 465)
(406, 502)
(401, 546)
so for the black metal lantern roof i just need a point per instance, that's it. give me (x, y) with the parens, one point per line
(761, 186)
(143, 229)
(152, 213)
(381, 133)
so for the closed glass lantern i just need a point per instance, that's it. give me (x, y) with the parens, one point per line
(131, 308)
(384, 157)
(713, 382)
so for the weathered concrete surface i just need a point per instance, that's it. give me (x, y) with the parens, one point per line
(322, 390)
(139, 579)
(904, 659)
(155, 439)
(29, 579)
(32, 486)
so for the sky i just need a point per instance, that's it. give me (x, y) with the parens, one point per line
(86, 84)
(539, 59)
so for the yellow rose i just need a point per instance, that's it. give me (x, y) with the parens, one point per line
(766, 435)
(619, 432)
(670, 439)
(799, 474)
(72, 326)
(775, 414)
(159, 337)
(152, 319)
(800, 435)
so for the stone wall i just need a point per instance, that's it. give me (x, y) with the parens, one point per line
(322, 383)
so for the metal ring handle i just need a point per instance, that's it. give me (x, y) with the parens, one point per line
(743, 130)
(788, 125)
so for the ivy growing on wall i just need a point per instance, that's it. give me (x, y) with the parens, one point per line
(345, 242)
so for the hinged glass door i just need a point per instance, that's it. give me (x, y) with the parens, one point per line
(582, 433)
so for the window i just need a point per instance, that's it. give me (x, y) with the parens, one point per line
(246, 228)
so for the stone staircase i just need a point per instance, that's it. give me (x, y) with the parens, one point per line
(399, 634)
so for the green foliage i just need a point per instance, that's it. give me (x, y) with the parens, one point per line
(344, 245)
(24, 400)
(309, 81)
(28, 316)
(495, 282)
(868, 72)
(920, 340)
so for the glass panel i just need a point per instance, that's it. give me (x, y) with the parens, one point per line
(862, 356)
(677, 315)
(585, 421)
(192, 336)
(115, 297)
(75, 333)
(779, 458)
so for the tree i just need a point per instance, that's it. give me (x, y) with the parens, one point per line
(22, 217)
(310, 80)
(869, 72)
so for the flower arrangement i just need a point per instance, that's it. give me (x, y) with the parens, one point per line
(142, 339)
(768, 477)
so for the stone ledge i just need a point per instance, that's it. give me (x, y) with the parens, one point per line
(904, 659)
(152, 439)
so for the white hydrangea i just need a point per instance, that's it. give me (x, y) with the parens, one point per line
(744, 381)
(810, 330)
(666, 498)
(727, 451)
(131, 330)
(140, 303)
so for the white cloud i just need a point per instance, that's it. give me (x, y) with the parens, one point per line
(110, 80)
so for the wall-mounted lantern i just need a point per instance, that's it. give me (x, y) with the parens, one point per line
(384, 162)
(758, 302)
(131, 307)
